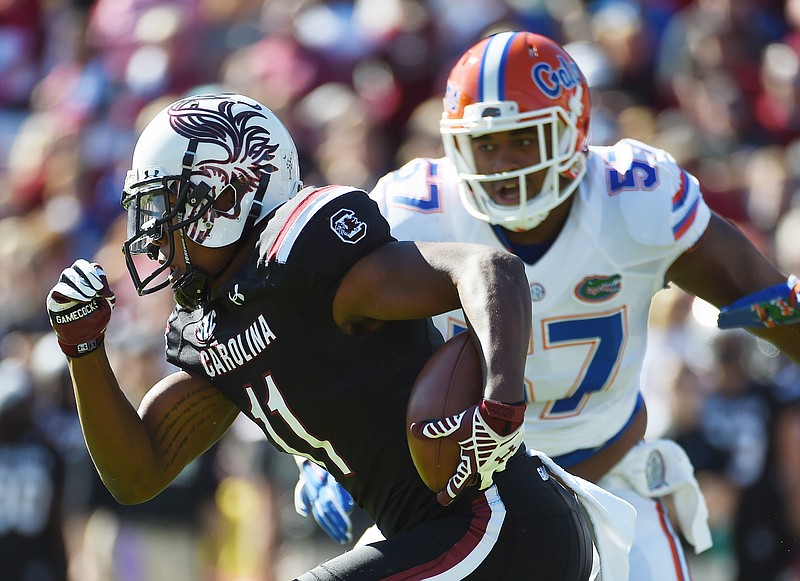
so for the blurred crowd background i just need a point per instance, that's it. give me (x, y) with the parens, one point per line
(359, 85)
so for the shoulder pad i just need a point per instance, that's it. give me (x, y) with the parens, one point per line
(660, 203)
(421, 200)
(415, 187)
(324, 231)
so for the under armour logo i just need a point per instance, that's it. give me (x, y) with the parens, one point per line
(235, 296)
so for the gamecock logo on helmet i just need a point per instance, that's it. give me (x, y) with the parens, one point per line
(241, 152)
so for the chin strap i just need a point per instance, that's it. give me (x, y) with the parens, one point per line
(773, 306)
(194, 288)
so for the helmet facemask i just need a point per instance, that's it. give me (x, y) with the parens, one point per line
(563, 166)
(157, 209)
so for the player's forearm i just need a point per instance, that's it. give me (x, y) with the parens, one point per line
(496, 300)
(787, 339)
(115, 435)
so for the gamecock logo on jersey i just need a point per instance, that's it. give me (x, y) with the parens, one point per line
(347, 226)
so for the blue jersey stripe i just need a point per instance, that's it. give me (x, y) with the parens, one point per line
(681, 227)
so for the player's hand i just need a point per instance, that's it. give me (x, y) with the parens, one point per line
(489, 433)
(318, 493)
(80, 306)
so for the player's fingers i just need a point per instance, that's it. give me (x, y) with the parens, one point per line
(98, 277)
(302, 503)
(92, 273)
(417, 428)
(331, 499)
(330, 517)
(343, 498)
(63, 296)
(333, 524)
(434, 429)
(105, 288)
(323, 520)
(464, 476)
(81, 286)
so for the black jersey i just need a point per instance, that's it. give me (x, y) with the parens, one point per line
(270, 344)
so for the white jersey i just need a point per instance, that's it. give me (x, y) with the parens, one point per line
(635, 212)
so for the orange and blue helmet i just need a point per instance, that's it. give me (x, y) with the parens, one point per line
(510, 81)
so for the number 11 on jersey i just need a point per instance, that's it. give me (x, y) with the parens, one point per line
(276, 405)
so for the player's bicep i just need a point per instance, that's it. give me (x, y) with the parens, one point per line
(723, 266)
(185, 416)
(400, 280)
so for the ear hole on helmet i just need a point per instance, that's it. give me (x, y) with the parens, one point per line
(226, 199)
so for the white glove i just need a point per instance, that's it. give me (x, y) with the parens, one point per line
(489, 433)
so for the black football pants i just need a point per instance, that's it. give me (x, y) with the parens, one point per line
(524, 527)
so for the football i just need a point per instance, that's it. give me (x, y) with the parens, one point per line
(450, 382)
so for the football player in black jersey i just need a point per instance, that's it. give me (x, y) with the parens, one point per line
(297, 308)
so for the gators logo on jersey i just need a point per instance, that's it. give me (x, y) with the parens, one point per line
(598, 288)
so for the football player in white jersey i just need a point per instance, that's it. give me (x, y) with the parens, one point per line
(601, 230)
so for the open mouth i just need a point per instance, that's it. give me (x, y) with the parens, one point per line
(507, 193)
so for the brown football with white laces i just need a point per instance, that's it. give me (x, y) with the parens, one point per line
(450, 382)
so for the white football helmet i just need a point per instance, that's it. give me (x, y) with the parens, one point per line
(509, 81)
(209, 167)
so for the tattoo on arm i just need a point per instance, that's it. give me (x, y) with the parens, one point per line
(188, 415)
